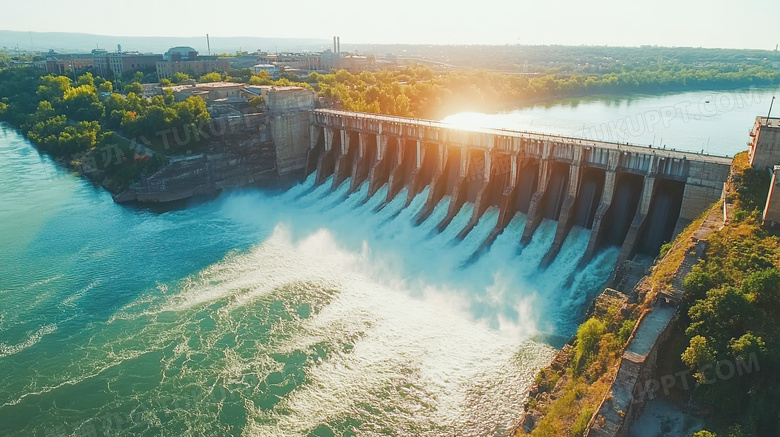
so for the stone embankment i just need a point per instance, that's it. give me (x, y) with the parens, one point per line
(243, 154)
(628, 394)
(266, 150)
(657, 305)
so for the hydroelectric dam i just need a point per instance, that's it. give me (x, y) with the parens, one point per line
(633, 197)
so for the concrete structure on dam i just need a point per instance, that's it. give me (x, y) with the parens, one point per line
(629, 196)
(266, 149)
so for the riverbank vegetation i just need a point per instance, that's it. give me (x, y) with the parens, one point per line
(71, 116)
(725, 338)
(88, 125)
(424, 93)
(75, 122)
(731, 318)
(574, 392)
(559, 59)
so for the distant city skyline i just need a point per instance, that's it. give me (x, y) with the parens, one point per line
(697, 23)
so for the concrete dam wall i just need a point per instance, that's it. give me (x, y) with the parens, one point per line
(629, 196)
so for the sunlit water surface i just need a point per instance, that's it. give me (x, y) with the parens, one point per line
(713, 122)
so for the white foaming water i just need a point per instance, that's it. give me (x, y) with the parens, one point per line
(32, 339)
(341, 320)
(441, 345)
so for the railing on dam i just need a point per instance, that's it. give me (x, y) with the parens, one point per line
(635, 158)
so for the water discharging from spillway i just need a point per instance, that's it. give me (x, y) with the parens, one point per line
(341, 320)
(400, 332)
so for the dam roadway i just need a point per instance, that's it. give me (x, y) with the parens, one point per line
(629, 196)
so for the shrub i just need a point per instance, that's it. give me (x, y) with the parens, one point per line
(665, 249)
(578, 428)
(588, 336)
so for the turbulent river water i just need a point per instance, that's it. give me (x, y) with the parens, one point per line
(303, 313)
(255, 314)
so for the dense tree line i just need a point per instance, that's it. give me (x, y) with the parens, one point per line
(76, 120)
(421, 92)
(546, 59)
(62, 115)
(49, 108)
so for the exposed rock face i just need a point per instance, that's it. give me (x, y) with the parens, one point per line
(240, 153)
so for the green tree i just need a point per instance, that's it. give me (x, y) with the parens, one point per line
(257, 103)
(698, 357)
(261, 78)
(210, 77)
(134, 87)
(179, 77)
(44, 112)
(46, 133)
(52, 88)
(86, 79)
(588, 336)
(82, 103)
(106, 87)
(747, 345)
(763, 287)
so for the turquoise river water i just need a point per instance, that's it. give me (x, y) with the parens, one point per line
(302, 313)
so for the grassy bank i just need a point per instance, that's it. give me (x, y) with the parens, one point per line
(730, 312)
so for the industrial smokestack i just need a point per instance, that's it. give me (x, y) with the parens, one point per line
(334, 45)
(338, 43)
(208, 43)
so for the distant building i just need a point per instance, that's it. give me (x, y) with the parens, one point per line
(300, 61)
(182, 53)
(330, 60)
(60, 63)
(210, 92)
(243, 61)
(186, 60)
(166, 69)
(33, 64)
(326, 61)
(273, 70)
(356, 63)
(119, 63)
(100, 61)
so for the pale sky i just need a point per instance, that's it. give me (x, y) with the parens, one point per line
(705, 23)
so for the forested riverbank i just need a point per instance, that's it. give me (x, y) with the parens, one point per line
(423, 93)
(75, 119)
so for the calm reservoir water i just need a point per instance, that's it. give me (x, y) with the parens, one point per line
(304, 313)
